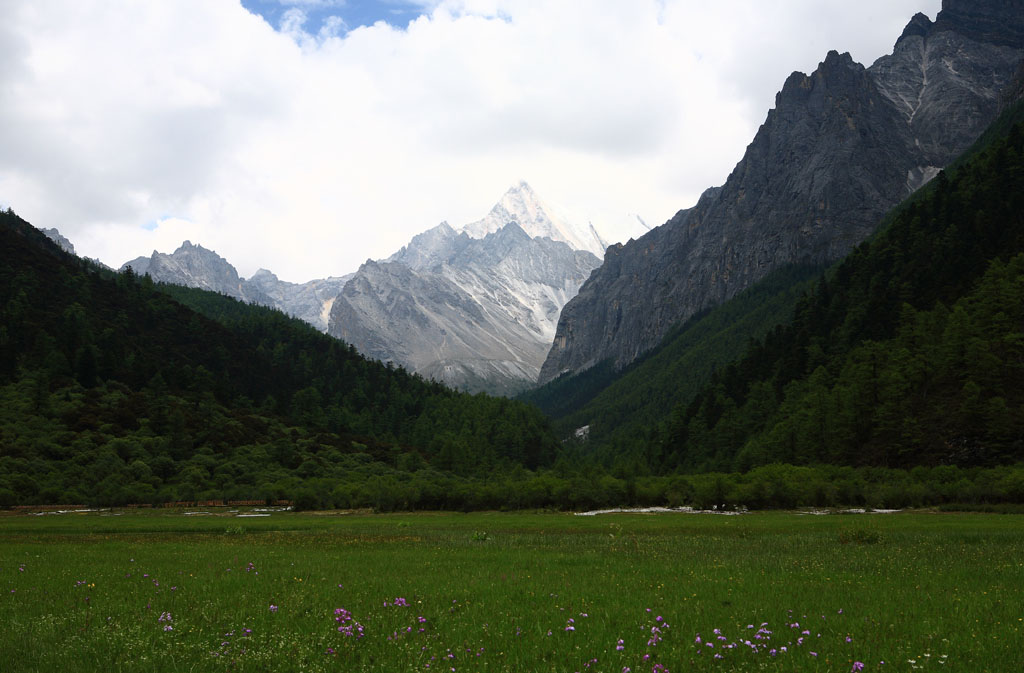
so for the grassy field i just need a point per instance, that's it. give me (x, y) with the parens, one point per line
(162, 591)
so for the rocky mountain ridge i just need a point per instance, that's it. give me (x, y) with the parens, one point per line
(194, 266)
(840, 147)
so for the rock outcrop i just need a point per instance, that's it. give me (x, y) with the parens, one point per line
(60, 240)
(192, 266)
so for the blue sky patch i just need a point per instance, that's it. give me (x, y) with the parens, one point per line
(154, 223)
(354, 13)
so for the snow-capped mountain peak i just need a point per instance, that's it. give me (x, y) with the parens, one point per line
(521, 205)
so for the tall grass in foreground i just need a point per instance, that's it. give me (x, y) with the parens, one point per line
(497, 592)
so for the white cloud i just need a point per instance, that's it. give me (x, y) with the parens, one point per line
(308, 153)
(292, 22)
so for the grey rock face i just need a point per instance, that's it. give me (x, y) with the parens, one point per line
(995, 22)
(310, 301)
(945, 85)
(1014, 91)
(195, 266)
(840, 148)
(476, 314)
(57, 238)
(431, 248)
(191, 266)
(140, 265)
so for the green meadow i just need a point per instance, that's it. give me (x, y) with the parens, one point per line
(776, 591)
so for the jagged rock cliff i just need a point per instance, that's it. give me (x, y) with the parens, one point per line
(55, 236)
(945, 83)
(839, 149)
(192, 266)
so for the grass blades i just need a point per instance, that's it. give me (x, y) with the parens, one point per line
(160, 591)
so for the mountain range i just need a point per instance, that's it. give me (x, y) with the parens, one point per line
(195, 266)
(474, 308)
(841, 147)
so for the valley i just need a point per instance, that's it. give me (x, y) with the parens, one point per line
(843, 312)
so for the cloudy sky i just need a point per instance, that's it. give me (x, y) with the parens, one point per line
(305, 136)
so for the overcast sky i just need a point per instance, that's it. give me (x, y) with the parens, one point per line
(305, 136)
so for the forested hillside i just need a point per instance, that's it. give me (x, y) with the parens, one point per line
(113, 392)
(623, 409)
(910, 352)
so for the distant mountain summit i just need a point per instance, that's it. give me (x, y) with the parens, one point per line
(474, 308)
(192, 266)
(521, 205)
(839, 149)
